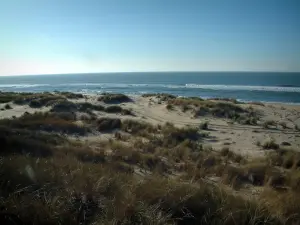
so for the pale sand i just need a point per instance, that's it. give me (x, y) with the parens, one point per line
(239, 138)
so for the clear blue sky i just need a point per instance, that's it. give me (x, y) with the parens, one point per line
(66, 36)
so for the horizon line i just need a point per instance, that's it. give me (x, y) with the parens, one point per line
(183, 71)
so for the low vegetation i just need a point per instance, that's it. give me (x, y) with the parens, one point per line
(71, 95)
(160, 96)
(7, 106)
(204, 125)
(269, 123)
(50, 122)
(270, 144)
(6, 97)
(232, 100)
(221, 108)
(114, 98)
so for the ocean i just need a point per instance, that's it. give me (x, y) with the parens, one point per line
(244, 86)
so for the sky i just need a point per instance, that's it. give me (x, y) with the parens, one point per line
(90, 36)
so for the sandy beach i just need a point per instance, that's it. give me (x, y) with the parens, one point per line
(89, 147)
(240, 138)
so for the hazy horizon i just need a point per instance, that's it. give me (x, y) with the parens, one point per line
(101, 36)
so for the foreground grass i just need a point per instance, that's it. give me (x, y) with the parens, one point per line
(66, 191)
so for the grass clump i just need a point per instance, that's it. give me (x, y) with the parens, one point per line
(136, 127)
(204, 125)
(6, 97)
(286, 158)
(71, 95)
(118, 109)
(217, 109)
(44, 100)
(270, 144)
(50, 122)
(160, 96)
(257, 103)
(7, 106)
(169, 107)
(226, 152)
(269, 123)
(232, 100)
(108, 124)
(67, 106)
(114, 98)
(20, 141)
(191, 101)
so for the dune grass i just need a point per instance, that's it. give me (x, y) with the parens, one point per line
(114, 98)
(50, 122)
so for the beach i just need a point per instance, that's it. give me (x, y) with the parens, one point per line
(240, 138)
(159, 146)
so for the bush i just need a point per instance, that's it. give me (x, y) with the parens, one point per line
(201, 111)
(6, 97)
(21, 141)
(67, 106)
(232, 100)
(71, 95)
(185, 108)
(114, 98)
(136, 127)
(269, 123)
(270, 144)
(49, 122)
(161, 96)
(113, 109)
(7, 106)
(224, 151)
(43, 100)
(285, 158)
(107, 124)
(204, 125)
(172, 136)
(169, 107)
